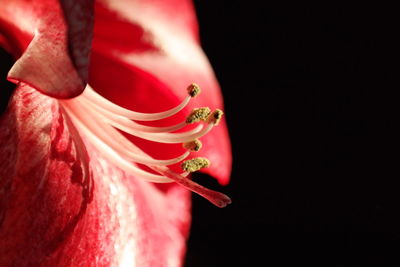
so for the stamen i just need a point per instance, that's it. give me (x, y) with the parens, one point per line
(127, 126)
(100, 120)
(143, 131)
(97, 99)
(193, 90)
(112, 138)
(194, 145)
(113, 156)
(120, 120)
(215, 117)
(168, 138)
(196, 164)
(198, 114)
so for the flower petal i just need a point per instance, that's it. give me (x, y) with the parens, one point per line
(53, 214)
(149, 69)
(52, 40)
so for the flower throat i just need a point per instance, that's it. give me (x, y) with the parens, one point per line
(102, 120)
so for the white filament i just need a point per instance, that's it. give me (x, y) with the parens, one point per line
(115, 140)
(156, 134)
(100, 120)
(97, 99)
(112, 117)
(113, 156)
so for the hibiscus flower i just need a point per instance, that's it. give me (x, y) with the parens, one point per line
(92, 169)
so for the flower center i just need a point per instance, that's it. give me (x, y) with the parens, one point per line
(102, 122)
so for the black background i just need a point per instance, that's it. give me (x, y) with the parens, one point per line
(310, 109)
(6, 87)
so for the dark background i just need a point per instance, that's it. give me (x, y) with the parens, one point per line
(310, 108)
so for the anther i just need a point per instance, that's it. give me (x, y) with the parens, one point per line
(215, 117)
(198, 114)
(195, 164)
(194, 90)
(194, 145)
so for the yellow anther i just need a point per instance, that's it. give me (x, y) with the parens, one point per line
(194, 90)
(194, 145)
(198, 114)
(215, 116)
(195, 164)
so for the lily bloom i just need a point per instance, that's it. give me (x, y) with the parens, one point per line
(102, 132)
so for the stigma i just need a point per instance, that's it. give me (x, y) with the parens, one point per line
(104, 124)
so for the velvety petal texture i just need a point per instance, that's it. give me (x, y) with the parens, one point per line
(149, 69)
(54, 212)
(52, 40)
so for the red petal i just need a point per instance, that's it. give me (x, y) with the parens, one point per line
(52, 214)
(52, 40)
(149, 69)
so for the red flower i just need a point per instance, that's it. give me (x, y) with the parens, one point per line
(73, 188)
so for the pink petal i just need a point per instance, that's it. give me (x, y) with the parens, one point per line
(52, 40)
(53, 214)
(149, 68)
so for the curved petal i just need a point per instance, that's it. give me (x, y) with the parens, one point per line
(149, 68)
(57, 208)
(52, 39)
